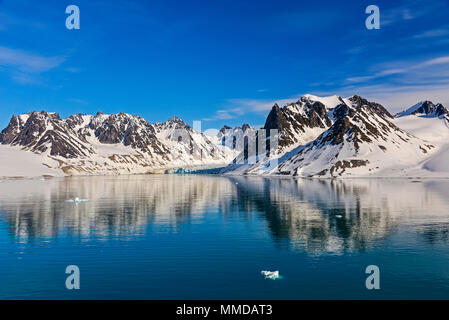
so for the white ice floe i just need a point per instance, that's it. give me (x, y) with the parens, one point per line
(77, 200)
(272, 275)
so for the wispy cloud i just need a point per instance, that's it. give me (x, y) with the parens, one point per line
(25, 67)
(398, 98)
(441, 32)
(408, 67)
(28, 62)
(413, 81)
(226, 113)
(239, 107)
(419, 80)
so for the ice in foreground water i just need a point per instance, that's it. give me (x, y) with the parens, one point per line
(77, 200)
(272, 275)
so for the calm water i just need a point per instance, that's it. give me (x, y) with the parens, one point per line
(206, 237)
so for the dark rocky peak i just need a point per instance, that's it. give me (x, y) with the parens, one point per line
(276, 119)
(425, 108)
(36, 116)
(295, 120)
(359, 103)
(177, 123)
(173, 123)
(36, 124)
(225, 128)
(41, 132)
(97, 120)
(113, 129)
(8, 134)
(245, 127)
(121, 117)
(175, 119)
(75, 120)
(440, 110)
(430, 109)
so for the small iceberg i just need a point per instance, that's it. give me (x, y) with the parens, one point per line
(272, 275)
(77, 200)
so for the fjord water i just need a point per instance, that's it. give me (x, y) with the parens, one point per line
(209, 237)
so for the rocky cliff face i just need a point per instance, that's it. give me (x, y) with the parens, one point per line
(44, 132)
(363, 139)
(299, 122)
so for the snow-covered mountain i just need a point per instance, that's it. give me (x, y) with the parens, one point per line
(431, 123)
(336, 137)
(425, 109)
(301, 122)
(316, 137)
(102, 144)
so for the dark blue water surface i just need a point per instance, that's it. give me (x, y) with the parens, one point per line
(209, 237)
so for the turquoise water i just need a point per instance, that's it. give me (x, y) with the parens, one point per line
(209, 237)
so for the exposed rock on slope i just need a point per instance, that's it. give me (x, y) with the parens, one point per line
(109, 144)
(299, 122)
(425, 108)
(358, 138)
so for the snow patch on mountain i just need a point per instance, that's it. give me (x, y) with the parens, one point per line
(15, 162)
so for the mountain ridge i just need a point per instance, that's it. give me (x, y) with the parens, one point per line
(325, 137)
(118, 143)
(362, 138)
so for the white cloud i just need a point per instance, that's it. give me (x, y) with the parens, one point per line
(407, 68)
(432, 34)
(399, 98)
(28, 62)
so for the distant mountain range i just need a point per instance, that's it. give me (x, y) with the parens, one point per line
(104, 144)
(317, 137)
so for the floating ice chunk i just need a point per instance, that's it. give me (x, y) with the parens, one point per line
(272, 275)
(77, 200)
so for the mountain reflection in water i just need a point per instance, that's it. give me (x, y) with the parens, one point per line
(315, 216)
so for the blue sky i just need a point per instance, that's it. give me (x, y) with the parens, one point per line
(223, 62)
